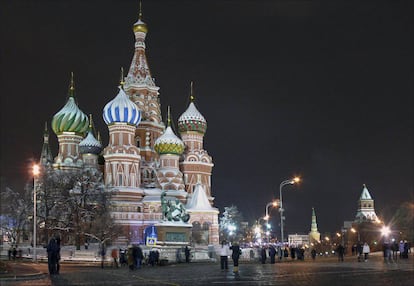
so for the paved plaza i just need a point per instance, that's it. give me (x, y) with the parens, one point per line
(324, 271)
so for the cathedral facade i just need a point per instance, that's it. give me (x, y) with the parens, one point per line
(143, 157)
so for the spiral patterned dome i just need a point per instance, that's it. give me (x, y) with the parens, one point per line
(90, 145)
(121, 109)
(70, 118)
(192, 120)
(169, 143)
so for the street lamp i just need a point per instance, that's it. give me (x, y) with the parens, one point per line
(385, 231)
(284, 183)
(274, 204)
(354, 230)
(36, 172)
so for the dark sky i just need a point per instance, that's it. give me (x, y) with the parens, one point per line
(320, 89)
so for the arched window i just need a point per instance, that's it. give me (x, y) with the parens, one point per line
(138, 141)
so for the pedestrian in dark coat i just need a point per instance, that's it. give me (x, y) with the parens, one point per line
(235, 255)
(103, 254)
(313, 253)
(272, 254)
(187, 254)
(58, 255)
(293, 252)
(52, 250)
(138, 256)
(263, 255)
(359, 251)
(341, 250)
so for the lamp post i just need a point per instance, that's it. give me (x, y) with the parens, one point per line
(274, 204)
(36, 172)
(284, 183)
(354, 230)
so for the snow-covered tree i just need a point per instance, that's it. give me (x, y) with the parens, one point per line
(230, 224)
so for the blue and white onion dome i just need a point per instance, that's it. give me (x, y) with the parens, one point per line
(90, 145)
(121, 109)
(192, 120)
(70, 118)
(169, 143)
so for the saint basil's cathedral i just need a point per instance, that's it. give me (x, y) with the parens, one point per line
(143, 157)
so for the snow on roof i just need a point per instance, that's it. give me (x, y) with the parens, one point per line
(199, 200)
(365, 195)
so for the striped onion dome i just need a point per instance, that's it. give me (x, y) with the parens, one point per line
(89, 145)
(121, 109)
(70, 118)
(192, 120)
(169, 143)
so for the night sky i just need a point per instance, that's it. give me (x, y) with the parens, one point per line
(320, 89)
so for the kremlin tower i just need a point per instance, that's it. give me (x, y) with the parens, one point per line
(314, 234)
(366, 211)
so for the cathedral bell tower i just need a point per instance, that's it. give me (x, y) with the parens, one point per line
(141, 89)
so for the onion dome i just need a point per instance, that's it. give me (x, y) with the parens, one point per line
(140, 26)
(90, 145)
(70, 118)
(169, 143)
(121, 109)
(192, 119)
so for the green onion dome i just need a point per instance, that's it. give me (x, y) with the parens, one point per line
(70, 118)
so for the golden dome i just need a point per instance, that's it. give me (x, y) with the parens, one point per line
(140, 26)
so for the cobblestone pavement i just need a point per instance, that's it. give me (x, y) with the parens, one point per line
(321, 272)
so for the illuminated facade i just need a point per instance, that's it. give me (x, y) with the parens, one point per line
(143, 157)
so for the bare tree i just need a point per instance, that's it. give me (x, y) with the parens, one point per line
(77, 203)
(15, 209)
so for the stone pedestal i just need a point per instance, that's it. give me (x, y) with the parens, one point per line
(173, 233)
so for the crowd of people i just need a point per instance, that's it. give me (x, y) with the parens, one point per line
(133, 257)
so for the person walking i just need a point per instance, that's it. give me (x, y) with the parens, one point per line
(236, 252)
(366, 251)
(52, 256)
(401, 248)
(341, 250)
(187, 254)
(137, 256)
(263, 254)
(114, 255)
(58, 254)
(359, 249)
(224, 253)
(313, 254)
(103, 254)
(386, 248)
(272, 254)
(130, 257)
